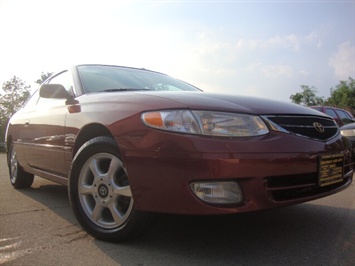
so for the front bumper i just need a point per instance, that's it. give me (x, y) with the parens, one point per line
(268, 173)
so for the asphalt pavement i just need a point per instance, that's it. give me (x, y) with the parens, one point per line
(37, 227)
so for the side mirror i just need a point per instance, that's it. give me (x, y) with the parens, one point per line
(54, 91)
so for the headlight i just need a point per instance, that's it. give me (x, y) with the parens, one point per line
(207, 123)
(348, 132)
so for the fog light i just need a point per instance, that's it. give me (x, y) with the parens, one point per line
(218, 192)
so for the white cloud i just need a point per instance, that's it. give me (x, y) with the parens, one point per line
(304, 73)
(277, 71)
(343, 61)
(289, 41)
(253, 66)
(313, 37)
(272, 72)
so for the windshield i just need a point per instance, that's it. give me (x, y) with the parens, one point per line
(96, 78)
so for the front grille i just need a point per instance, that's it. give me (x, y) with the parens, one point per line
(305, 126)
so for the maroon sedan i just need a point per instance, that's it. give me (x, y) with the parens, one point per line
(130, 142)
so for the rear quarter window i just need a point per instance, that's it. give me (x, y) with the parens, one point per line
(344, 117)
(331, 112)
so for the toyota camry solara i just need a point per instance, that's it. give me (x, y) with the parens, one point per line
(131, 142)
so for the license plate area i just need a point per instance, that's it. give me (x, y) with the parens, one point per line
(331, 169)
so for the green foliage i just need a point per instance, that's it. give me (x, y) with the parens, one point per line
(307, 97)
(343, 95)
(14, 93)
(44, 76)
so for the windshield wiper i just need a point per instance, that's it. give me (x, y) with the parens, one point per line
(126, 89)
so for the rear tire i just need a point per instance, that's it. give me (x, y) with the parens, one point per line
(100, 193)
(18, 177)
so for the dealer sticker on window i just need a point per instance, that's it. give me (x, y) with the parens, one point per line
(330, 169)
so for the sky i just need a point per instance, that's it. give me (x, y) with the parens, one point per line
(256, 48)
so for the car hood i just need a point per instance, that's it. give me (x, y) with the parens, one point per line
(231, 103)
(348, 126)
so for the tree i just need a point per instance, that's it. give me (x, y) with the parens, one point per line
(307, 96)
(44, 76)
(343, 96)
(14, 93)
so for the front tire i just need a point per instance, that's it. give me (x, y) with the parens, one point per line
(18, 177)
(100, 193)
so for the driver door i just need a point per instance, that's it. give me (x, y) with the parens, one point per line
(45, 151)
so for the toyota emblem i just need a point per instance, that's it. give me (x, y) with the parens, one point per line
(103, 191)
(319, 127)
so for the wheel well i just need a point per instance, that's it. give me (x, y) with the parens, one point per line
(89, 132)
(8, 143)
